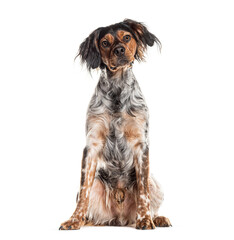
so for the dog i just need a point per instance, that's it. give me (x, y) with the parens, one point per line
(116, 188)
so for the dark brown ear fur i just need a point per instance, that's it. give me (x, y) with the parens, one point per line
(89, 51)
(144, 37)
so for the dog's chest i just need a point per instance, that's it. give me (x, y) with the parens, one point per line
(117, 158)
(123, 103)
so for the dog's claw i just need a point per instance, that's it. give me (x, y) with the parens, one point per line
(69, 227)
(143, 228)
(61, 228)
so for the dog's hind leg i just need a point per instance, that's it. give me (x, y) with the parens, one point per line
(156, 198)
(99, 210)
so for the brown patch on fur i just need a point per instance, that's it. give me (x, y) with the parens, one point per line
(101, 123)
(107, 53)
(145, 161)
(119, 195)
(140, 51)
(162, 222)
(141, 160)
(109, 37)
(131, 133)
(133, 127)
(130, 47)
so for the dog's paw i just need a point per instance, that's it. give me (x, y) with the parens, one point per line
(162, 222)
(72, 224)
(145, 223)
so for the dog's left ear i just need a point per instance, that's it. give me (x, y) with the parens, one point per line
(89, 51)
(143, 36)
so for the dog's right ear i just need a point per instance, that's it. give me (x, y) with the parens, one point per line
(89, 51)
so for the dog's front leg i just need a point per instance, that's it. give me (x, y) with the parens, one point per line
(95, 141)
(141, 161)
(134, 131)
(89, 162)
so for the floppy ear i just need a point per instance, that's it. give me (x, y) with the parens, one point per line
(89, 51)
(143, 36)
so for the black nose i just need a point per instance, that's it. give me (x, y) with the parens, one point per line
(119, 51)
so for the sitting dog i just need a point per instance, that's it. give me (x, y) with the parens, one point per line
(116, 188)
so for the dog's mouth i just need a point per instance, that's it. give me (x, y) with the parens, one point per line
(120, 64)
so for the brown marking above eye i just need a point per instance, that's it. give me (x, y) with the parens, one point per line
(105, 43)
(126, 38)
(107, 40)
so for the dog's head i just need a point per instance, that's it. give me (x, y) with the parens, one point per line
(116, 46)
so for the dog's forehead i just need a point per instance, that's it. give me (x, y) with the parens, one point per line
(113, 29)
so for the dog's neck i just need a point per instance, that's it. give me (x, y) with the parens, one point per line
(121, 78)
(117, 93)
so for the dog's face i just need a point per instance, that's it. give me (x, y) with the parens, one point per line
(116, 46)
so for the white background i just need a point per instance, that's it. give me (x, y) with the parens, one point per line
(44, 95)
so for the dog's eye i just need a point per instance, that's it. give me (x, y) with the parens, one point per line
(127, 38)
(105, 43)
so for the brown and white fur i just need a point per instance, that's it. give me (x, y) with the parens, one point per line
(116, 187)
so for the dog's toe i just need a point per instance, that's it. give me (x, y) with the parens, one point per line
(145, 223)
(162, 222)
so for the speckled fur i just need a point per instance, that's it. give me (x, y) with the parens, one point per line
(116, 186)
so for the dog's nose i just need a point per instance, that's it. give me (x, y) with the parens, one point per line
(119, 51)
